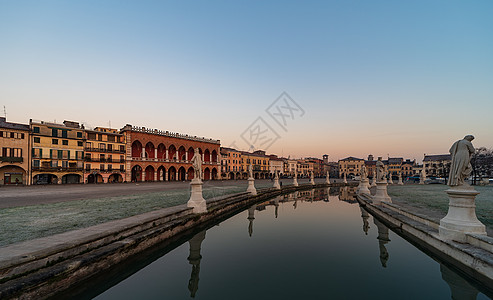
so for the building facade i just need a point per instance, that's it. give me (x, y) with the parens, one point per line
(350, 166)
(155, 155)
(57, 152)
(276, 165)
(104, 160)
(14, 159)
(259, 162)
(234, 168)
(437, 165)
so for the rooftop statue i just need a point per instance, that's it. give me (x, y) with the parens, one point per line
(461, 152)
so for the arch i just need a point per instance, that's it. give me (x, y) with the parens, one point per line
(136, 149)
(207, 155)
(172, 174)
(45, 179)
(190, 153)
(214, 156)
(136, 173)
(214, 174)
(161, 151)
(238, 175)
(231, 175)
(149, 150)
(256, 176)
(172, 152)
(149, 173)
(71, 178)
(190, 173)
(207, 174)
(161, 172)
(95, 178)
(181, 174)
(115, 177)
(181, 153)
(12, 174)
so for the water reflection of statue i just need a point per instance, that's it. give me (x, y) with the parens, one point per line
(197, 164)
(251, 217)
(461, 152)
(365, 216)
(459, 287)
(383, 238)
(194, 259)
(380, 170)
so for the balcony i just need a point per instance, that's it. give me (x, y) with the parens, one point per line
(89, 149)
(57, 169)
(11, 159)
(87, 171)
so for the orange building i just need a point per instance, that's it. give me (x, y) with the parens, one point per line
(155, 155)
(14, 159)
(233, 163)
(104, 156)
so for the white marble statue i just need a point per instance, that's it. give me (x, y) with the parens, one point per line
(363, 173)
(380, 170)
(461, 152)
(197, 164)
(250, 171)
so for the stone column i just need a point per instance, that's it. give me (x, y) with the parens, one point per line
(166, 175)
(186, 156)
(155, 153)
(461, 217)
(155, 175)
(167, 154)
(143, 152)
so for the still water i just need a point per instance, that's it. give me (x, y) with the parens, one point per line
(315, 244)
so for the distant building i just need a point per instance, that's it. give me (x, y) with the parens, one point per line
(350, 166)
(407, 168)
(156, 155)
(394, 166)
(437, 165)
(104, 157)
(14, 159)
(233, 163)
(276, 164)
(57, 152)
(259, 162)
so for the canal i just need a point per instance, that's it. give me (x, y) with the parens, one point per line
(315, 244)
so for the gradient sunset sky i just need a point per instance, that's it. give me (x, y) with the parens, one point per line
(402, 78)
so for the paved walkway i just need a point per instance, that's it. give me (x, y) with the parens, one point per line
(14, 196)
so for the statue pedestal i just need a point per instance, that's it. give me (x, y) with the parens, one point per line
(295, 181)
(277, 186)
(421, 181)
(461, 217)
(312, 182)
(251, 186)
(196, 200)
(400, 181)
(381, 193)
(363, 187)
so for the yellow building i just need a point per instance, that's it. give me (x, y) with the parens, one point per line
(259, 162)
(57, 152)
(351, 166)
(14, 159)
(104, 156)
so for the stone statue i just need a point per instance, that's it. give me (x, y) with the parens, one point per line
(461, 152)
(363, 173)
(197, 164)
(380, 170)
(250, 171)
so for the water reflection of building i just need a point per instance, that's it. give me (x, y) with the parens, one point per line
(383, 238)
(348, 194)
(194, 259)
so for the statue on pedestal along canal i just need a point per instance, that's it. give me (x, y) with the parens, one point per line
(461, 153)
(197, 165)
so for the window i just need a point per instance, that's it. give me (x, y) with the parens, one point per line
(110, 168)
(110, 147)
(101, 167)
(64, 142)
(36, 163)
(111, 138)
(36, 129)
(100, 137)
(79, 134)
(54, 141)
(60, 154)
(122, 168)
(54, 132)
(122, 148)
(122, 159)
(37, 140)
(22, 135)
(64, 133)
(37, 152)
(79, 143)
(88, 167)
(54, 163)
(12, 135)
(102, 147)
(91, 136)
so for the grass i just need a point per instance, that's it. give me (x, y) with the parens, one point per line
(31, 222)
(433, 197)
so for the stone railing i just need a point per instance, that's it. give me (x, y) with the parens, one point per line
(171, 134)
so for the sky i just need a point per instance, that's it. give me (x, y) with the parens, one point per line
(348, 78)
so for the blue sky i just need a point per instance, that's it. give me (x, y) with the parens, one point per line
(380, 77)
